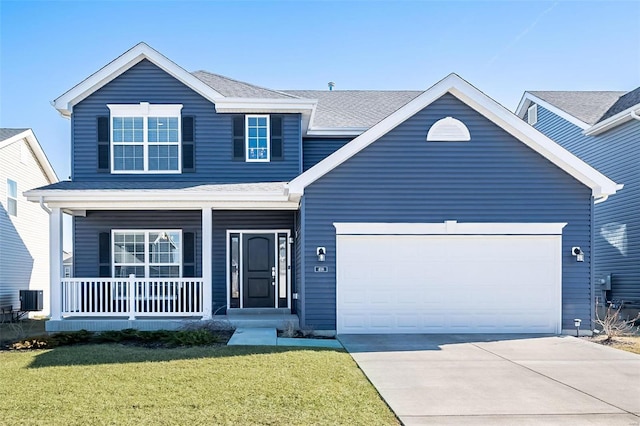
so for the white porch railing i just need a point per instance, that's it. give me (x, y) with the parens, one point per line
(132, 297)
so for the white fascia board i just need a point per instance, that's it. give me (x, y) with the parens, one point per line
(450, 227)
(474, 98)
(528, 99)
(161, 200)
(298, 184)
(65, 103)
(611, 122)
(600, 184)
(260, 105)
(336, 132)
(33, 143)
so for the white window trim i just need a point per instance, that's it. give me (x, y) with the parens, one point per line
(145, 110)
(147, 261)
(10, 197)
(246, 138)
(532, 114)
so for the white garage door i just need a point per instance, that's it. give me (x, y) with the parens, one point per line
(451, 282)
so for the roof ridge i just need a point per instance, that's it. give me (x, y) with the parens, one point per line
(244, 82)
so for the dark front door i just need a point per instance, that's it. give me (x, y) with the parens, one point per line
(258, 270)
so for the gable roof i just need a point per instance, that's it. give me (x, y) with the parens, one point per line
(353, 109)
(10, 136)
(600, 185)
(232, 88)
(592, 111)
(588, 107)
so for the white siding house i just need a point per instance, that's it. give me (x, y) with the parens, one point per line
(24, 235)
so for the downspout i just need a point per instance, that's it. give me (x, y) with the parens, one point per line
(45, 208)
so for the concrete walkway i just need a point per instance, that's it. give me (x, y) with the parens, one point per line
(500, 380)
(269, 337)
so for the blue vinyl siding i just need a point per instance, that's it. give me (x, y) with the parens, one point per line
(224, 220)
(616, 153)
(315, 150)
(402, 178)
(145, 82)
(86, 233)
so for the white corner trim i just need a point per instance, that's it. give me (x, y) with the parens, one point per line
(35, 146)
(449, 227)
(474, 98)
(613, 121)
(528, 99)
(65, 103)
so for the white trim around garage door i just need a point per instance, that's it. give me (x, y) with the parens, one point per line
(449, 227)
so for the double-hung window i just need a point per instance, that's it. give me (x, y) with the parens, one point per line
(147, 253)
(258, 144)
(145, 138)
(12, 197)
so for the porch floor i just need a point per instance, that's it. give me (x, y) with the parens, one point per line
(275, 320)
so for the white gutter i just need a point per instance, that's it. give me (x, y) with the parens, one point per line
(613, 121)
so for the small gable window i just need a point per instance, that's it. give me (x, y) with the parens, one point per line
(448, 130)
(145, 138)
(532, 114)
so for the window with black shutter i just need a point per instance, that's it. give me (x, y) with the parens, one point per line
(104, 254)
(276, 138)
(103, 145)
(188, 145)
(189, 254)
(238, 138)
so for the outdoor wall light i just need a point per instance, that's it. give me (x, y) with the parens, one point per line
(576, 323)
(578, 253)
(321, 252)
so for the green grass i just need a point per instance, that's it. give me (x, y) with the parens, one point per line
(128, 385)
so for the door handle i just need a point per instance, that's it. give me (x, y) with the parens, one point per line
(273, 276)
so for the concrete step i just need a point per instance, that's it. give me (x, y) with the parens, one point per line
(258, 311)
(278, 321)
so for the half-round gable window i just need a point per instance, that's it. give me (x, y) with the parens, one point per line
(448, 129)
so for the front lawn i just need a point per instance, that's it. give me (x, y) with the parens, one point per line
(128, 385)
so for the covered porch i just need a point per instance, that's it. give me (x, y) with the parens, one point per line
(104, 295)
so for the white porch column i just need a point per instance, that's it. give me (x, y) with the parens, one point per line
(207, 276)
(55, 262)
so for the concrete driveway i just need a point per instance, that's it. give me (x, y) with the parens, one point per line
(500, 379)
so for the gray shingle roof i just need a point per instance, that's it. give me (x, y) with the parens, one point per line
(624, 102)
(9, 133)
(354, 108)
(238, 89)
(586, 106)
(156, 185)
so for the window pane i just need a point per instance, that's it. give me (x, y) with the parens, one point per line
(12, 188)
(128, 248)
(12, 207)
(235, 267)
(282, 267)
(163, 157)
(125, 271)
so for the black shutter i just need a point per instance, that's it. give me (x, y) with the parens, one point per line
(276, 137)
(238, 137)
(188, 145)
(189, 255)
(103, 144)
(104, 254)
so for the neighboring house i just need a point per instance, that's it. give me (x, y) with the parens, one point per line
(24, 239)
(358, 212)
(67, 264)
(603, 129)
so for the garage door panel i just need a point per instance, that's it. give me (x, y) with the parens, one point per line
(444, 284)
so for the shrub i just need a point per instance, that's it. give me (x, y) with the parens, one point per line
(613, 325)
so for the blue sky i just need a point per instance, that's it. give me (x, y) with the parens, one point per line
(503, 48)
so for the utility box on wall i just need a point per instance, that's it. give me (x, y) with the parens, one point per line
(31, 300)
